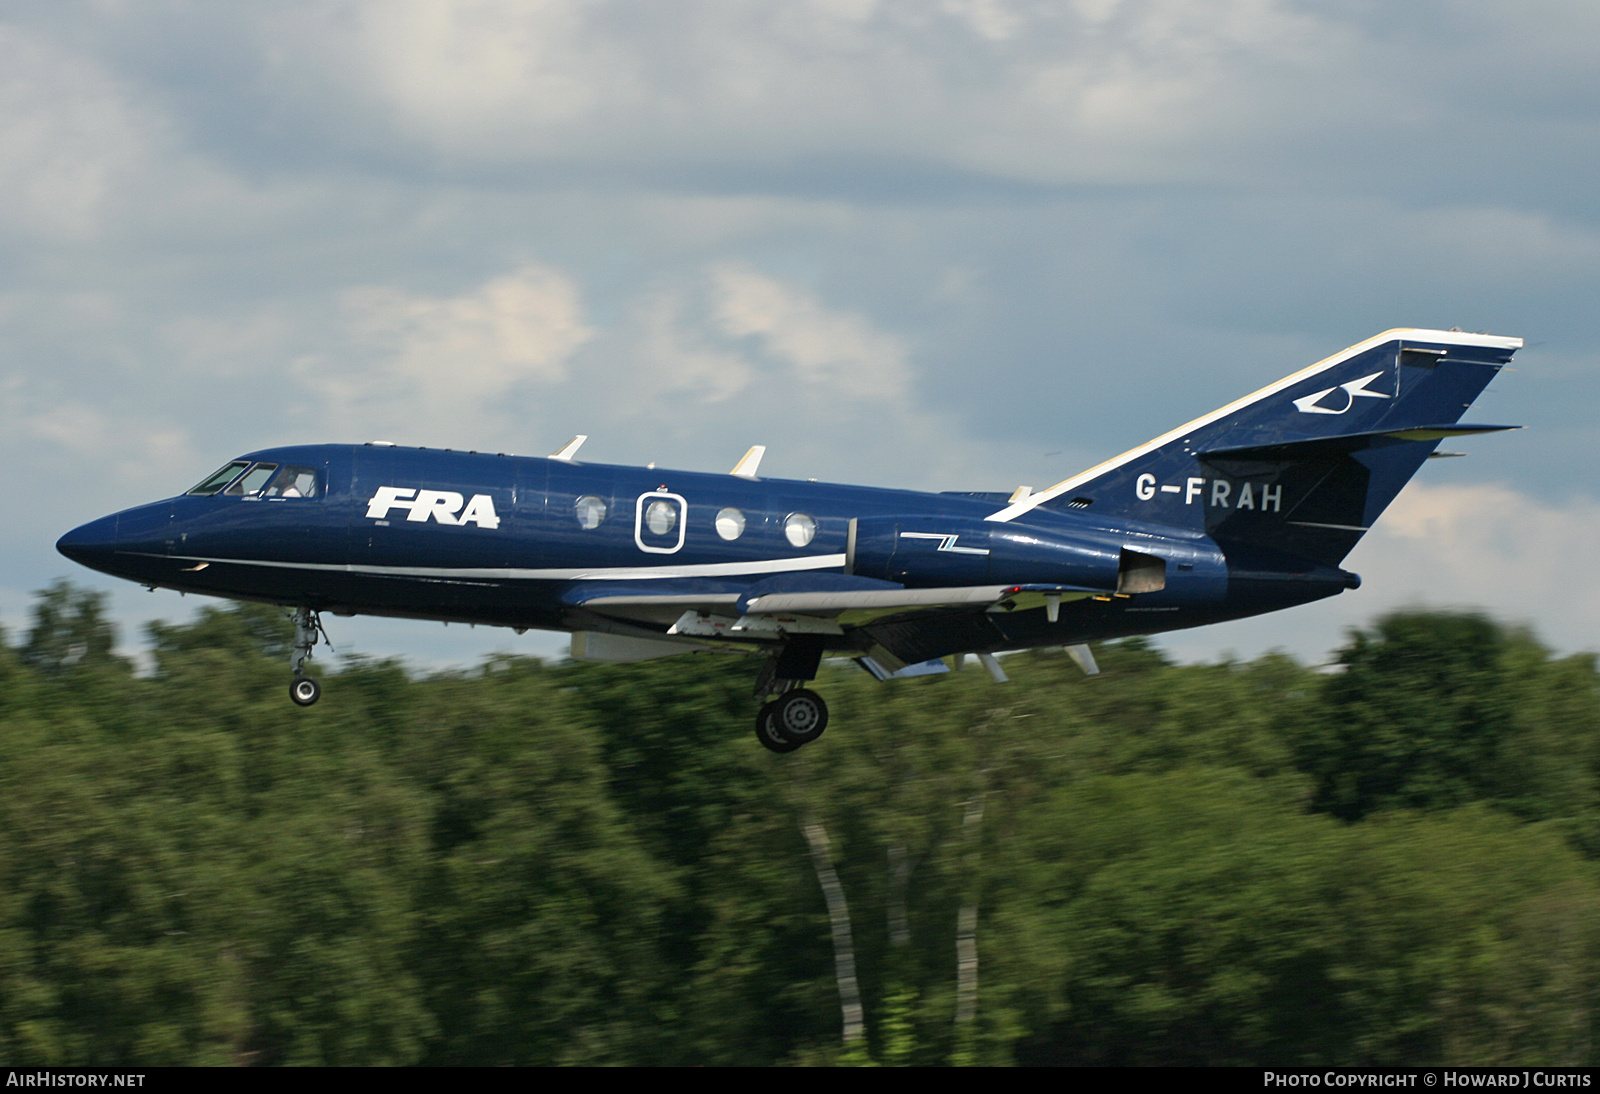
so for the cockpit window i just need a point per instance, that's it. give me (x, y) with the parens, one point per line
(254, 479)
(221, 478)
(265, 479)
(292, 482)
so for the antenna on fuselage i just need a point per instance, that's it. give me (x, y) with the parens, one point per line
(570, 449)
(746, 467)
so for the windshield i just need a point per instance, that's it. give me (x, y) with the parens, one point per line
(253, 480)
(220, 478)
(241, 478)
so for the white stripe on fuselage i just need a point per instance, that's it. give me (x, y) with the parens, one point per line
(578, 573)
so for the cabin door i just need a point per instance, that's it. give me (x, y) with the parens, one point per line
(660, 521)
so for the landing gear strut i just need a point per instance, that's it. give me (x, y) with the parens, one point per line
(307, 632)
(795, 718)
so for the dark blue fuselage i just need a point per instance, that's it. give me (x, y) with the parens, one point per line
(501, 540)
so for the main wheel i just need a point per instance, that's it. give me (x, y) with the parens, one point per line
(305, 691)
(800, 716)
(768, 734)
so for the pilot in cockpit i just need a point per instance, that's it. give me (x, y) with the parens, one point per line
(293, 482)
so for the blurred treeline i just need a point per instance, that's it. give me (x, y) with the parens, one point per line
(1240, 863)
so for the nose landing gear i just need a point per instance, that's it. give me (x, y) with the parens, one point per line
(307, 632)
(305, 691)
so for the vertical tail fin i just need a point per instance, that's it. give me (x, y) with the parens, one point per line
(1304, 465)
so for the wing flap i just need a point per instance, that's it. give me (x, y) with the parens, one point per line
(815, 603)
(859, 607)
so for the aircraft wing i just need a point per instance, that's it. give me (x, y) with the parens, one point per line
(643, 605)
(889, 618)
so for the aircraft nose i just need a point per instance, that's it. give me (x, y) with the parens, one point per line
(92, 544)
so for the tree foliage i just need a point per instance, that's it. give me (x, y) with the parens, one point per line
(1245, 863)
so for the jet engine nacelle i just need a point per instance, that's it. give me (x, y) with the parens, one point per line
(939, 551)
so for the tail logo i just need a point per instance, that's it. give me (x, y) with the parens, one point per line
(1307, 404)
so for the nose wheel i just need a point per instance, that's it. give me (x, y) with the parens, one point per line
(793, 719)
(307, 633)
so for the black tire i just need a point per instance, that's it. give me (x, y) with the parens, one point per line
(768, 734)
(304, 691)
(799, 716)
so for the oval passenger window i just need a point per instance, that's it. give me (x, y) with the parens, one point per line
(800, 529)
(730, 523)
(591, 511)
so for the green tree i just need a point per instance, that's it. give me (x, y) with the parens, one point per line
(1189, 918)
(544, 909)
(1180, 918)
(1419, 716)
(70, 632)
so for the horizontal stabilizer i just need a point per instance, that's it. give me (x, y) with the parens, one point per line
(1344, 443)
(1440, 432)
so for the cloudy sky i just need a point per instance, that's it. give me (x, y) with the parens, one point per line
(942, 244)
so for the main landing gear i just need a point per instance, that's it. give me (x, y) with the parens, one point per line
(307, 632)
(794, 718)
(797, 715)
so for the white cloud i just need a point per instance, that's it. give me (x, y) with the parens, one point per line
(1100, 90)
(1495, 547)
(840, 352)
(1042, 92)
(129, 448)
(428, 368)
(731, 334)
(1483, 547)
(80, 460)
(674, 356)
(466, 68)
(734, 93)
(1448, 244)
(69, 135)
(995, 20)
(702, 365)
